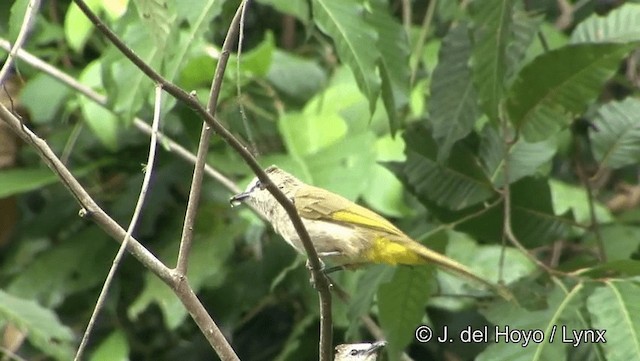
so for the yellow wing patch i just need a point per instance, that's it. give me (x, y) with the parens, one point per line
(384, 250)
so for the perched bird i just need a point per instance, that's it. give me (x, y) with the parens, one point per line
(343, 231)
(366, 351)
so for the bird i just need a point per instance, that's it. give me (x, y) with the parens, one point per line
(365, 351)
(343, 231)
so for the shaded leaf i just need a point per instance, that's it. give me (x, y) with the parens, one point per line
(113, 348)
(491, 27)
(401, 304)
(562, 311)
(343, 21)
(44, 329)
(458, 184)
(452, 105)
(394, 62)
(558, 85)
(619, 25)
(616, 140)
(525, 159)
(616, 309)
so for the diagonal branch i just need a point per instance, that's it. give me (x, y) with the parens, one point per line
(321, 282)
(92, 211)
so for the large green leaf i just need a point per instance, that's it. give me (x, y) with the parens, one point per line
(393, 45)
(615, 309)
(491, 26)
(130, 87)
(458, 184)
(619, 25)
(354, 38)
(525, 159)
(157, 16)
(21, 180)
(42, 326)
(401, 304)
(616, 138)
(558, 85)
(562, 312)
(452, 105)
(50, 278)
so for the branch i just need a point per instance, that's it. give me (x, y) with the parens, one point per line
(203, 145)
(321, 282)
(27, 22)
(134, 221)
(91, 210)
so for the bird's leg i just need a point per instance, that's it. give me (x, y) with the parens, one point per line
(342, 267)
(312, 279)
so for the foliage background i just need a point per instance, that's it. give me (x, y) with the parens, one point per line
(407, 106)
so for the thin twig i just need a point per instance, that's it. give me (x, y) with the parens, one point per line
(203, 147)
(92, 211)
(132, 225)
(27, 23)
(506, 193)
(422, 38)
(594, 224)
(321, 282)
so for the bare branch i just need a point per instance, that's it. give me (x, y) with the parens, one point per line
(132, 225)
(91, 210)
(27, 22)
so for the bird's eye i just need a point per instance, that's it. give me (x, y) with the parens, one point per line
(353, 352)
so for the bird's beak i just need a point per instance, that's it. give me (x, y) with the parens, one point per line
(239, 198)
(375, 347)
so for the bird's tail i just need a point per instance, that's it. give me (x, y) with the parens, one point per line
(458, 269)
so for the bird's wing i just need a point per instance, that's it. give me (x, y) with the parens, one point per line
(320, 204)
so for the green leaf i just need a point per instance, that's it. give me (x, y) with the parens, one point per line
(385, 193)
(130, 87)
(113, 348)
(157, 16)
(43, 96)
(619, 25)
(401, 304)
(50, 278)
(525, 159)
(299, 9)
(18, 9)
(77, 28)
(393, 45)
(21, 180)
(562, 311)
(43, 328)
(615, 307)
(558, 85)
(492, 23)
(103, 124)
(308, 132)
(452, 105)
(616, 138)
(567, 197)
(617, 268)
(620, 241)
(524, 29)
(456, 185)
(533, 219)
(297, 77)
(343, 21)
